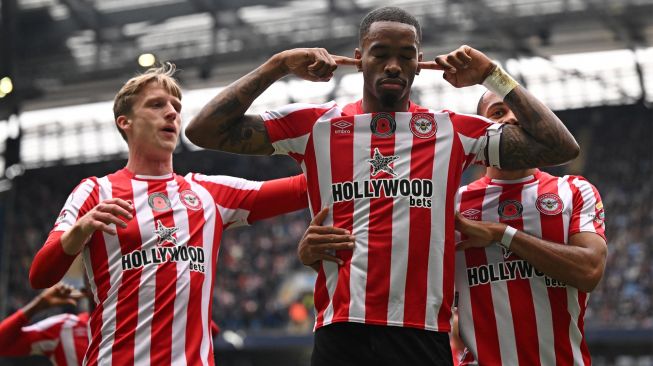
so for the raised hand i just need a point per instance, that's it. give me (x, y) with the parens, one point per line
(59, 294)
(319, 242)
(100, 218)
(314, 64)
(465, 66)
(103, 215)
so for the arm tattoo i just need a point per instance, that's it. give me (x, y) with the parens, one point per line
(541, 139)
(222, 123)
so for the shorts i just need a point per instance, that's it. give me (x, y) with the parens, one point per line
(354, 344)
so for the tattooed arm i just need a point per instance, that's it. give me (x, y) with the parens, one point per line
(223, 125)
(540, 138)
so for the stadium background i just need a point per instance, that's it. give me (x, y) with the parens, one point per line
(590, 60)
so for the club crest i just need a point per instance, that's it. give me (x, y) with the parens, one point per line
(423, 125)
(549, 204)
(190, 199)
(383, 124)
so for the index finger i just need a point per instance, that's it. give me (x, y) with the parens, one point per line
(342, 60)
(319, 218)
(429, 65)
(120, 202)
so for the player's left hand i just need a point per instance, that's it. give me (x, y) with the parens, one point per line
(480, 234)
(465, 66)
(320, 242)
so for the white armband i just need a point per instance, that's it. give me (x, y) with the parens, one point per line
(508, 234)
(493, 144)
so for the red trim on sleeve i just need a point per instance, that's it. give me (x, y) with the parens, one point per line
(469, 125)
(50, 263)
(294, 124)
(279, 196)
(13, 341)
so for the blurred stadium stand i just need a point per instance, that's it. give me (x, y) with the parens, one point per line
(67, 58)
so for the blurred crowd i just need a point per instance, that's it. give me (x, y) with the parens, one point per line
(260, 283)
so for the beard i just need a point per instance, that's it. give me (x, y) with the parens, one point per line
(388, 100)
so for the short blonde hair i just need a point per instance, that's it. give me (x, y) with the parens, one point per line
(124, 100)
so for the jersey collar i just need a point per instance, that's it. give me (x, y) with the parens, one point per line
(356, 108)
(524, 180)
(131, 175)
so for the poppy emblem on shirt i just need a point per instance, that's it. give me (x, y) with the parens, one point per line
(510, 209)
(549, 204)
(382, 163)
(190, 199)
(159, 202)
(383, 124)
(423, 125)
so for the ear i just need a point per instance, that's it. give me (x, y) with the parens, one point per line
(420, 57)
(358, 55)
(123, 122)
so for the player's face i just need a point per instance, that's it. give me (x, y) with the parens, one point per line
(155, 120)
(495, 109)
(389, 54)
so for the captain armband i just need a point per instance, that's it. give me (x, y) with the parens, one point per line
(493, 144)
(500, 82)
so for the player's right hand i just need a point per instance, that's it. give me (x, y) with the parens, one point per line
(105, 213)
(319, 242)
(314, 64)
(59, 294)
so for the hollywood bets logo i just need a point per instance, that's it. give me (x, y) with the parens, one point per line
(166, 250)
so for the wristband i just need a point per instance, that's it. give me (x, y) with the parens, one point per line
(508, 234)
(500, 82)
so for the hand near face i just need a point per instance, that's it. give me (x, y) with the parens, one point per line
(465, 66)
(314, 64)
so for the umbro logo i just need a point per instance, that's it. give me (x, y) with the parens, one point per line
(342, 127)
(472, 214)
(342, 124)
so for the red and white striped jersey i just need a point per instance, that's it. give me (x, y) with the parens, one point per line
(153, 281)
(391, 179)
(62, 338)
(509, 312)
